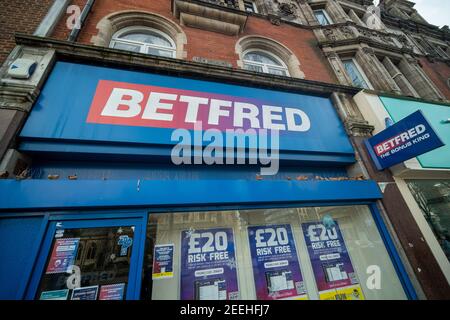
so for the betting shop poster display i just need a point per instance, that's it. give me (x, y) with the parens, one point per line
(63, 255)
(275, 263)
(333, 270)
(163, 261)
(208, 265)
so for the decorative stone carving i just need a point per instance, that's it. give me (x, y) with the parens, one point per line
(286, 9)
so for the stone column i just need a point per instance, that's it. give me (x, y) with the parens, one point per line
(336, 12)
(419, 80)
(17, 96)
(399, 78)
(338, 67)
(375, 71)
(307, 13)
(356, 19)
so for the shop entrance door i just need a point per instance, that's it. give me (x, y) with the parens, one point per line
(89, 260)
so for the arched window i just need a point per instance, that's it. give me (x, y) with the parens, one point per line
(144, 40)
(262, 61)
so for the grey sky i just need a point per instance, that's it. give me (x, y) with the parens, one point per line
(436, 12)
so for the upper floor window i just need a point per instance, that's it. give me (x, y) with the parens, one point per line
(322, 17)
(144, 40)
(264, 62)
(250, 6)
(356, 74)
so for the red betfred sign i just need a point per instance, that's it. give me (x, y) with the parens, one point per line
(130, 104)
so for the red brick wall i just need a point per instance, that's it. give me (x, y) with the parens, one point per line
(439, 73)
(19, 16)
(213, 45)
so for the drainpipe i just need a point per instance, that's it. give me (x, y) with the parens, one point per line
(75, 32)
(54, 14)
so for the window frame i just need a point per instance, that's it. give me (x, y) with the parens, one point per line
(254, 8)
(264, 66)
(325, 13)
(143, 47)
(360, 70)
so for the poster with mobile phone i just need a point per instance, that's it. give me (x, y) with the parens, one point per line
(63, 255)
(276, 268)
(208, 265)
(163, 261)
(333, 269)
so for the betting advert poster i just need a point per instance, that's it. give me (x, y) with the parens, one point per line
(63, 255)
(163, 261)
(333, 270)
(208, 265)
(275, 263)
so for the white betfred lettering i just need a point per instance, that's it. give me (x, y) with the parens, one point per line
(420, 129)
(250, 114)
(193, 107)
(127, 103)
(291, 124)
(215, 111)
(269, 117)
(117, 99)
(154, 103)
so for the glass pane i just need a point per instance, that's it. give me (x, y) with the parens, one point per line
(127, 47)
(433, 198)
(354, 74)
(150, 38)
(253, 67)
(267, 254)
(277, 71)
(321, 17)
(261, 58)
(88, 264)
(161, 53)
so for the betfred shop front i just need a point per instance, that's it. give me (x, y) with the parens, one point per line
(149, 186)
(424, 178)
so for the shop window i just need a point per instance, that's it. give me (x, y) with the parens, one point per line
(144, 40)
(322, 17)
(267, 254)
(265, 62)
(101, 275)
(356, 74)
(433, 198)
(250, 6)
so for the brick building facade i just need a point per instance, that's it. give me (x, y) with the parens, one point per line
(19, 16)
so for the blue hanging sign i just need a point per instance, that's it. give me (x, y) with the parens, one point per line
(408, 138)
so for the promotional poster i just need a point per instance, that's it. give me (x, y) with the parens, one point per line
(331, 264)
(208, 265)
(275, 263)
(63, 255)
(85, 293)
(112, 292)
(163, 261)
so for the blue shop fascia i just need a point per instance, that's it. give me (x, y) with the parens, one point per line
(104, 213)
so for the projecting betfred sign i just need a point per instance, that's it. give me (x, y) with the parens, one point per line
(408, 138)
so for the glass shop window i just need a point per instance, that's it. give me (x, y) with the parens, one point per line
(88, 264)
(268, 254)
(433, 198)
